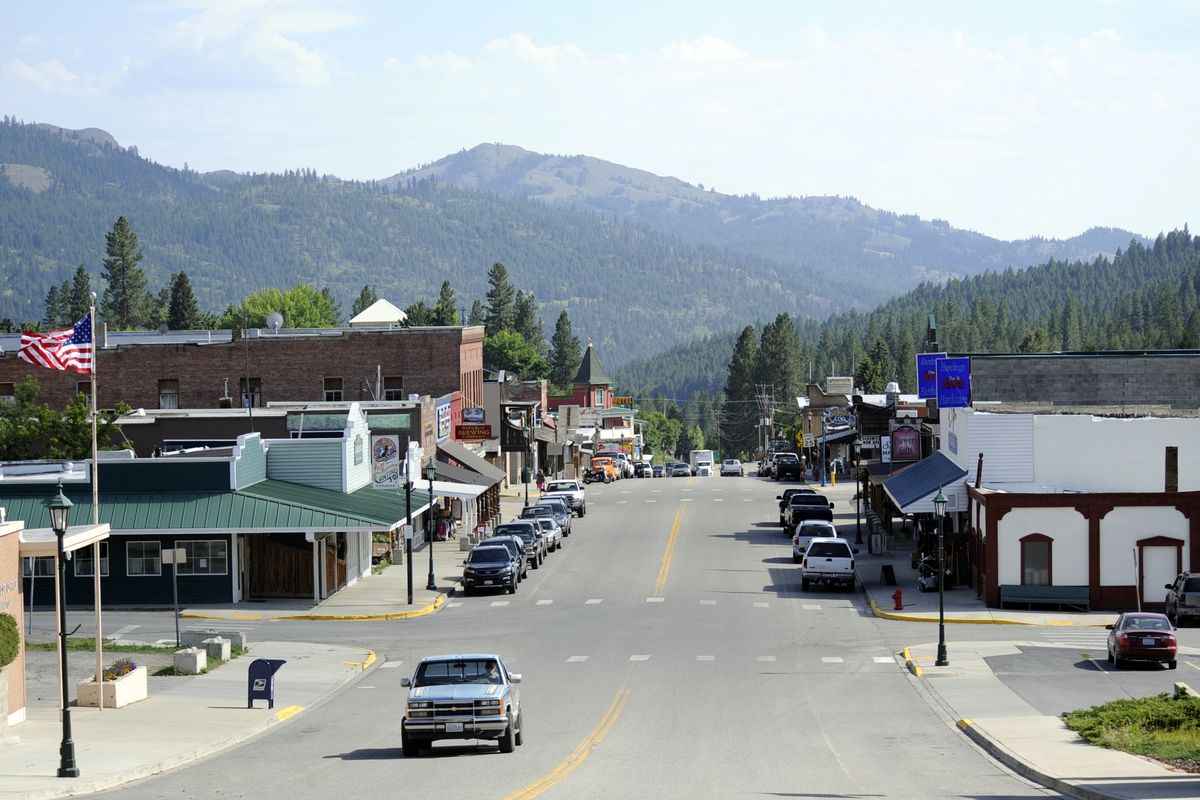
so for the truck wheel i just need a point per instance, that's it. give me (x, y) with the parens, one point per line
(582, 510)
(508, 741)
(520, 737)
(410, 748)
(804, 584)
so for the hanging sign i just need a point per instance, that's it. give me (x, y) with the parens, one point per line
(927, 374)
(953, 383)
(385, 463)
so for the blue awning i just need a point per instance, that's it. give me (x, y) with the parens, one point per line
(833, 437)
(923, 479)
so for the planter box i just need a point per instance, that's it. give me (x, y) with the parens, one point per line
(124, 690)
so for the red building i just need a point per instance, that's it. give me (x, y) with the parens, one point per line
(592, 387)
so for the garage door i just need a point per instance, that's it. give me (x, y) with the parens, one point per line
(1158, 569)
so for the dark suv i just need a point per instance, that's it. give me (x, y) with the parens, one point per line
(1183, 599)
(490, 567)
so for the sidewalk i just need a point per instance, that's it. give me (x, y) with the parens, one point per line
(1039, 747)
(192, 718)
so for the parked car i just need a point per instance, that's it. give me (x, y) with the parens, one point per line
(1183, 599)
(787, 467)
(562, 512)
(461, 697)
(828, 561)
(603, 469)
(515, 545)
(786, 498)
(570, 490)
(530, 533)
(643, 469)
(731, 466)
(659, 470)
(551, 532)
(680, 470)
(490, 567)
(807, 506)
(807, 531)
(1142, 636)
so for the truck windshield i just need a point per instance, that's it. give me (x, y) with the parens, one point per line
(562, 486)
(441, 673)
(836, 549)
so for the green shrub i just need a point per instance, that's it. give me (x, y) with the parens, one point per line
(10, 640)
(1162, 726)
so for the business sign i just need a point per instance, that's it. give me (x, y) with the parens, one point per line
(442, 414)
(885, 449)
(623, 400)
(870, 442)
(906, 444)
(839, 418)
(927, 374)
(385, 463)
(473, 433)
(839, 385)
(473, 416)
(954, 383)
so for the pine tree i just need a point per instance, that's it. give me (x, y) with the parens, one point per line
(182, 309)
(740, 412)
(79, 302)
(366, 298)
(125, 294)
(445, 311)
(777, 365)
(565, 353)
(527, 322)
(419, 314)
(1072, 326)
(331, 303)
(476, 317)
(53, 308)
(500, 301)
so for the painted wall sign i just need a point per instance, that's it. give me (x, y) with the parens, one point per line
(906, 444)
(385, 463)
(927, 374)
(954, 383)
(443, 421)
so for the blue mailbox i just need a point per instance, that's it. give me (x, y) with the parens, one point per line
(262, 681)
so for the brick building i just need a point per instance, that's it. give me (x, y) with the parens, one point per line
(211, 369)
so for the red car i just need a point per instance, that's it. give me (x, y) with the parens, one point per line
(1142, 636)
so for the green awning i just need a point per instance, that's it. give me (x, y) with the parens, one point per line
(266, 506)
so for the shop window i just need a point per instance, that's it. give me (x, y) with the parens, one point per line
(1037, 560)
(168, 393)
(251, 389)
(8, 393)
(143, 558)
(599, 401)
(333, 390)
(393, 388)
(204, 557)
(84, 563)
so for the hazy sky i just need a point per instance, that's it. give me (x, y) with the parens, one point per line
(1013, 118)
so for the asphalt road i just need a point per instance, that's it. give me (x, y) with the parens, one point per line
(667, 652)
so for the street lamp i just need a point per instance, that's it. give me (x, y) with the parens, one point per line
(430, 471)
(858, 494)
(408, 531)
(939, 511)
(60, 510)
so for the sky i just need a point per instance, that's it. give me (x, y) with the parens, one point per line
(1013, 119)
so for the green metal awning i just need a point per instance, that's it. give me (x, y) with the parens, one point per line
(266, 506)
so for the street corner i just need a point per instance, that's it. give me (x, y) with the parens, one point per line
(437, 605)
(910, 663)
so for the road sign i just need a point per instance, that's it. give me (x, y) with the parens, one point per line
(799, 438)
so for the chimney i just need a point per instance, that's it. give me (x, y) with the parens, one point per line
(1172, 470)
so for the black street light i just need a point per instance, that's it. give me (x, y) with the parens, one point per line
(939, 511)
(60, 510)
(430, 471)
(408, 529)
(857, 494)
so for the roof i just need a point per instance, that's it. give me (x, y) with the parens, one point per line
(40, 542)
(461, 475)
(268, 505)
(381, 312)
(923, 478)
(590, 371)
(835, 436)
(471, 461)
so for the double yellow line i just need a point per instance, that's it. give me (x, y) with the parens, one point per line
(579, 755)
(661, 583)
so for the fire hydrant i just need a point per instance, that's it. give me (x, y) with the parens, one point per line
(898, 597)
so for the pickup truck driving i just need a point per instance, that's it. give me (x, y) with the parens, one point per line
(827, 561)
(570, 491)
(461, 697)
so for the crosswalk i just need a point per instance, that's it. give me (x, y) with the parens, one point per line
(653, 600)
(855, 661)
(1083, 638)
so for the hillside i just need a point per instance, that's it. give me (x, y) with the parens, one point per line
(630, 289)
(886, 253)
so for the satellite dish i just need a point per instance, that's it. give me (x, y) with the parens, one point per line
(164, 328)
(275, 321)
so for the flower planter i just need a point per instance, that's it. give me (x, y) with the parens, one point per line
(129, 688)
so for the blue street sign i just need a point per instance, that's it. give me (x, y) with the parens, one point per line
(954, 383)
(927, 374)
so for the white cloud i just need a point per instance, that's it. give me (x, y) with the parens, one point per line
(29, 41)
(705, 50)
(550, 57)
(440, 63)
(49, 76)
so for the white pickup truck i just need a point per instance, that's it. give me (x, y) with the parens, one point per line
(827, 560)
(570, 491)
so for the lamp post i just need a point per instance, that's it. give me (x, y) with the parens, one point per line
(858, 494)
(408, 531)
(60, 510)
(939, 511)
(430, 471)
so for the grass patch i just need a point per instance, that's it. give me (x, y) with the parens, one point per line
(170, 671)
(1163, 727)
(74, 643)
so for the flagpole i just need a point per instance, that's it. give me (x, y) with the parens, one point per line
(96, 512)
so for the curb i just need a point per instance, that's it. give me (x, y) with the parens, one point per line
(912, 665)
(429, 608)
(877, 611)
(1009, 760)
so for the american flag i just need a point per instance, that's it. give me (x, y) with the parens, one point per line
(66, 349)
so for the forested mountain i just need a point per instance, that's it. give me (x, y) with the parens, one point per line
(883, 253)
(1146, 297)
(631, 290)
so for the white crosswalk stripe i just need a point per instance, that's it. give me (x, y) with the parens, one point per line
(639, 658)
(544, 602)
(500, 602)
(706, 658)
(655, 599)
(454, 605)
(708, 602)
(1077, 637)
(119, 632)
(762, 605)
(593, 601)
(766, 658)
(831, 660)
(390, 664)
(577, 659)
(651, 501)
(811, 607)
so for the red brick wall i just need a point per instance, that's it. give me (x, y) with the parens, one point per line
(11, 603)
(433, 361)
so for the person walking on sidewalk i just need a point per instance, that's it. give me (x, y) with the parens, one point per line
(541, 481)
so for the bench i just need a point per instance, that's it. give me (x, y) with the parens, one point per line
(1077, 597)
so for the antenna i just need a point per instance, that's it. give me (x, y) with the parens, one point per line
(275, 321)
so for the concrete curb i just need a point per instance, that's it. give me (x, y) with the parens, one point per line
(429, 608)
(877, 611)
(1025, 770)
(911, 664)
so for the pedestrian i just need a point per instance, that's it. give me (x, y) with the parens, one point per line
(541, 481)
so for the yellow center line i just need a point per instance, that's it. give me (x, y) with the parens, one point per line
(578, 755)
(661, 583)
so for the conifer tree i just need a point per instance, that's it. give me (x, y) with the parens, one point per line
(476, 317)
(330, 302)
(79, 302)
(740, 412)
(419, 314)
(500, 301)
(125, 293)
(53, 316)
(182, 309)
(527, 322)
(366, 298)
(565, 353)
(445, 311)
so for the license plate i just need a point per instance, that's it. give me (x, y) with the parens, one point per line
(454, 727)
(487, 583)
(1148, 642)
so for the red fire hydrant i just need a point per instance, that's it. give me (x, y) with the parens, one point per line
(898, 597)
